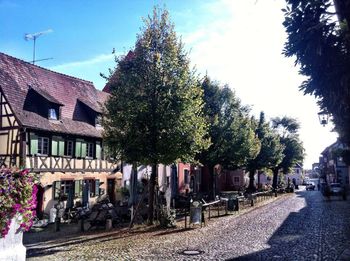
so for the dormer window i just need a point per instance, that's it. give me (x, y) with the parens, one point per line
(52, 114)
(98, 121)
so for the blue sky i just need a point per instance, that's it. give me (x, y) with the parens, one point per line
(238, 42)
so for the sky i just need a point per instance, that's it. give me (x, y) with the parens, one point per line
(235, 42)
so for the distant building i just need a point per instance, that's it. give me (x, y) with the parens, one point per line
(295, 175)
(331, 165)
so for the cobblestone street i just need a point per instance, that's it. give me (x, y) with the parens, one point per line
(300, 226)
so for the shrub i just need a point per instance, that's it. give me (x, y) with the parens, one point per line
(17, 197)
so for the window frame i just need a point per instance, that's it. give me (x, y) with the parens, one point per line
(98, 121)
(94, 191)
(50, 114)
(90, 145)
(186, 176)
(65, 184)
(66, 148)
(41, 148)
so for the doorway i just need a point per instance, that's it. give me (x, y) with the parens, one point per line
(39, 205)
(111, 190)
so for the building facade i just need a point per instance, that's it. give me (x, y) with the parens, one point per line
(50, 123)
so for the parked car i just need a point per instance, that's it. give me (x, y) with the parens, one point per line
(310, 186)
(336, 189)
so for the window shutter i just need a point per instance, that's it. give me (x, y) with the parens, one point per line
(33, 144)
(54, 147)
(98, 150)
(78, 188)
(83, 149)
(78, 149)
(61, 147)
(56, 189)
(97, 187)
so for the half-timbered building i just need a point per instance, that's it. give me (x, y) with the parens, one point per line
(50, 123)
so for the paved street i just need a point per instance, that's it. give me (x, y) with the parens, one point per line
(301, 226)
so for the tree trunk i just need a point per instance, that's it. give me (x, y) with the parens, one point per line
(251, 186)
(212, 186)
(275, 178)
(151, 192)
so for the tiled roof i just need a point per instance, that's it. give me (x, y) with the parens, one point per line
(130, 55)
(17, 77)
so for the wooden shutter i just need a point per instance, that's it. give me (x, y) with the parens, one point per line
(78, 188)
(78, 149)
(33, 144)
(97, 187)
(61, 147)
(54, 146)
(83, 149)
(56, 189)
(98, 150)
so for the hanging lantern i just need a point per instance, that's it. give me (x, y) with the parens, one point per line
(323, 117)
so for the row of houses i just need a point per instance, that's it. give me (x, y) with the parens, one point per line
(50, 123)
(332, 167)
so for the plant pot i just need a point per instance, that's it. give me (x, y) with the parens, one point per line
(11, 246)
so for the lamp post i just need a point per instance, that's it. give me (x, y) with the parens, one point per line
(323, 117)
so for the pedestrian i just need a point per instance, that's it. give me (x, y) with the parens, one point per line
(318, 186)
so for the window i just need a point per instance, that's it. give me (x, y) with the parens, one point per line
(98, 150)
(90, 150)
(57, 146)
(52, 114)
(198, 175)
(63, 188)
(69, 148)
(186, 176)
(236, 179)
(84, 149)
(94, 186)
(43, 145)
(98, 121)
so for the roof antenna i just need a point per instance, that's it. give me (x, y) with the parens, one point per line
(33, 37)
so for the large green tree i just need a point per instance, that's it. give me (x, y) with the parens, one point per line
(154, 114)
(230, 130)
(271, 151)
(293, 151)
(319, 38)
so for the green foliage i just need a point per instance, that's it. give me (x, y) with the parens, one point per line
(154, 114)
(320, 41)
(230, 129)
(271, 151)
(293, 151)
(167, 217)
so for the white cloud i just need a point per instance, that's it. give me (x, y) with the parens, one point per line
(242, 47)
(93, 61)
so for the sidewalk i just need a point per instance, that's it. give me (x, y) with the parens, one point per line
(72, 231)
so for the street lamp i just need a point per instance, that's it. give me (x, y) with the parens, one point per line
(323, 117)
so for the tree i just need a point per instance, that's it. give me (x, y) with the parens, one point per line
(270, 154)
(230, 130)
(154, 114)
(293, 148)
(319, 38)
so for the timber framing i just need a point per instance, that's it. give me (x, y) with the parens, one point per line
(9, 134)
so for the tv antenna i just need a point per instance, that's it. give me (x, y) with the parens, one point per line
(33, 37)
